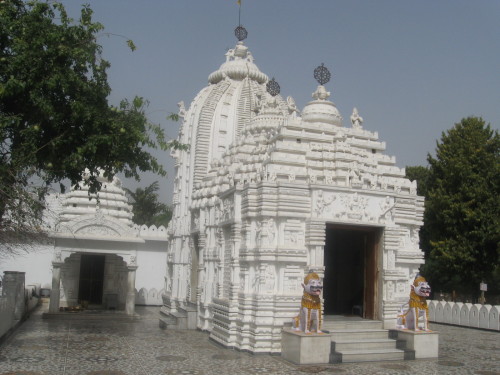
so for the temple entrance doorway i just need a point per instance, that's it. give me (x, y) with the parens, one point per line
(351, 277)
(91, 278)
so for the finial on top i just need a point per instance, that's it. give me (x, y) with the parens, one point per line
(241, 33)
(322, 74)
(272, 87)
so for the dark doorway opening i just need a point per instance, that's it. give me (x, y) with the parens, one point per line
(350, 283)
(91, 278)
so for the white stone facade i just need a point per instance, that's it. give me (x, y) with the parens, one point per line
(255, 197)
(133, 256)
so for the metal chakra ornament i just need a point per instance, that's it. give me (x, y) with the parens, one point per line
(241, 33)
(322, 74)
(272, 87)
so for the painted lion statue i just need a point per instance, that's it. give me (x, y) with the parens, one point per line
(310, 318)
(416, 308)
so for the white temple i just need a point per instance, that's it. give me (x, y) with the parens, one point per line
(266, 193)
(95, 255)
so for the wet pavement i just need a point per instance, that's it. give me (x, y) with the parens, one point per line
(123, 347)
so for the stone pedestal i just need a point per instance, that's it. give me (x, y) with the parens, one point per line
(305, 348)
(425, 344)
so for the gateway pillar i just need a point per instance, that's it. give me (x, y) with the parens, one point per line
(130, 300)
(55, 293)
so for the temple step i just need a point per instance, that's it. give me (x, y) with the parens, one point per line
(366, 355)
(359, 335)
(362, 340)
(367, 344)
(183, 318)
(333, 324)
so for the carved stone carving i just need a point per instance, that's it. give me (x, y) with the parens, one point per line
(265, 232)
(356, 206)
(356, 119)
(132, 261)
(268, 279)
(292, 108)
(322, 202)
(227, 209)
(387, 210)
(98, 230)
(294, 233)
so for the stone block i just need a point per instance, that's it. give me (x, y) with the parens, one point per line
(494, 318)
(425, 344)
(484, 316)
(464, 314)
(455, 313)
(439, 317)
(447, 315)
(474, 315)
(432, 310)
(305, 348)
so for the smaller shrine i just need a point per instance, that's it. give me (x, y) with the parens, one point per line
(95, 256)
(98, 252)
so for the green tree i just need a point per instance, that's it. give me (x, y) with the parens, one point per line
(146, 207)
(421, 175)
(462, 216)
(55, 119)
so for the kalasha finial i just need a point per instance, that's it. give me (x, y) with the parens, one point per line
(322, 74)
(241, 33)
(272, 87)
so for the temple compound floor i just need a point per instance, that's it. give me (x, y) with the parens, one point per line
(124, 347)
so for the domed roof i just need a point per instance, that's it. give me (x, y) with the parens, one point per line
(239, 65)
(219, 113)
(112, 202)
(321, 109)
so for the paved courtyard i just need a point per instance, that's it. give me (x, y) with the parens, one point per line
(117, 347)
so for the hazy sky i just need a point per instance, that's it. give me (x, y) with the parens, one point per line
(412, 68)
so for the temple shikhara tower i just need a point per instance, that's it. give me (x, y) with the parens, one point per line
(266, 193)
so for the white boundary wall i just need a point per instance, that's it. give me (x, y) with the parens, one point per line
(16, 301)
(465, 314)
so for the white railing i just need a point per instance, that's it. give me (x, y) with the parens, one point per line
(465, 314)
(152, 231)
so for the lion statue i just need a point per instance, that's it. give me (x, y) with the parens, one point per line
(416, 308)
(310, 318)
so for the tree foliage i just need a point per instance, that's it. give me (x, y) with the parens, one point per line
(55, 119)
(146, 207)
(462, 210)
(421, 175)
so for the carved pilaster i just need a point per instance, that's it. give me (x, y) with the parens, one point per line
(315, 242)
(130, 300)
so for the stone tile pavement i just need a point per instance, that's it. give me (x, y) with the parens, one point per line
(117, 347)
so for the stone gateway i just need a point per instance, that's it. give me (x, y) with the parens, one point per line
(267, 193)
